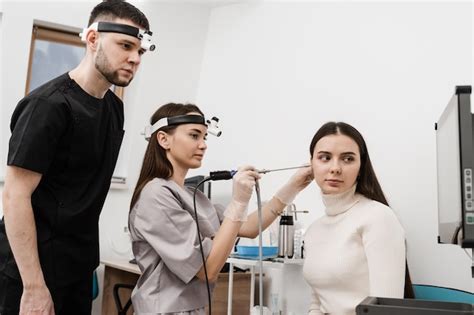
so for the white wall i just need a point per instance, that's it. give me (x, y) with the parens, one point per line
(169, 74)
(275, 72)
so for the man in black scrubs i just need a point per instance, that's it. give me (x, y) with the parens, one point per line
(65, 140)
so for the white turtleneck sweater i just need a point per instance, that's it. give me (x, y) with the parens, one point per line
(356, 250)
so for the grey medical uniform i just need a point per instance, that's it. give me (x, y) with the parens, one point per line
(166, 246)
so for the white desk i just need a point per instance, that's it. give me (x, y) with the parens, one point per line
(122, 265)
(252, 264)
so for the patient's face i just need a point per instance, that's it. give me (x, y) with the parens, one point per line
(336, 163)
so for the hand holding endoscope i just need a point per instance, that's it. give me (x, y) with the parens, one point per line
(242, 187)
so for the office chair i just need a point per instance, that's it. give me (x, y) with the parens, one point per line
(122, 310)
(434, 293)
(95, 285)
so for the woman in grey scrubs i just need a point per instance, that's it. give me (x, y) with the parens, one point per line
(162, 219)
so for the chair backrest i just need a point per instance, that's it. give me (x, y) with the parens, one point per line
(434, 293)
(95, 285)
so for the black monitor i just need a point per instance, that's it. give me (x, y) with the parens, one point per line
(455, 161)
(195, 180)
(390, 306)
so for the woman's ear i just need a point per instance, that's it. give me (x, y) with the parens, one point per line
(163, 139)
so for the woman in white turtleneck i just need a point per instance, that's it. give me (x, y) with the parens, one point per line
(358, 248)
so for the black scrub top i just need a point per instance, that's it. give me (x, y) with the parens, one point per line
(73, 140)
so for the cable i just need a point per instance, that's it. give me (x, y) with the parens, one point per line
(218, 175)
(224, 175)
(472, 265)
(200, 242)
(454, 239)
(260, 248)
(467, 253)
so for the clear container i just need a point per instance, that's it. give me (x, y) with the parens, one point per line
(298, 243)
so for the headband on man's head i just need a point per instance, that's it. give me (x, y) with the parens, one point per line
(211, 125)
(143, 35)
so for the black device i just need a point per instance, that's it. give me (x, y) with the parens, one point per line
(195, 180)
(388, 306)
(455, 165)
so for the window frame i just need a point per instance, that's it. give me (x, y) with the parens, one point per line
(56, 33)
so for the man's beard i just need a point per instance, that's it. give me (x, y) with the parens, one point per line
(103, 66)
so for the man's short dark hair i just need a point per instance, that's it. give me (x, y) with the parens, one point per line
(110, 10)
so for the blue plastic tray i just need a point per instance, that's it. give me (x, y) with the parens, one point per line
(252, 251)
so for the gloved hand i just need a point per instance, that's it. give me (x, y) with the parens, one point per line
(300, 179)
(243, 184)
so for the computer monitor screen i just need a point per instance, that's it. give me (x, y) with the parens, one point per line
(454, 148)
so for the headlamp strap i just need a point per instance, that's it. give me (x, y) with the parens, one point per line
(107, 27)
(186, 119)
(183, 119)
(122, 29)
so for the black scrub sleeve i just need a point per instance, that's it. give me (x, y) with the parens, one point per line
(37, 126)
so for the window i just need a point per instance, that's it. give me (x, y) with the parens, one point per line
(52, 53)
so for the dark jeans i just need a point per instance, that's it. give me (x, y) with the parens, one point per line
(74, 299)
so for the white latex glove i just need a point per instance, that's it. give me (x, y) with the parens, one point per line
(300, 179)
(242, 187)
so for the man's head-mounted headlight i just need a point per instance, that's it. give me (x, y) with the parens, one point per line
(143, 35)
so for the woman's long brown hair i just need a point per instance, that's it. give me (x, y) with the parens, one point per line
(155, 163)
(367, 183)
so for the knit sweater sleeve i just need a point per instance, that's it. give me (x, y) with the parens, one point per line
(384, 243)
(315, 306)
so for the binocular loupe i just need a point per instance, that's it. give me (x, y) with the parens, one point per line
(145, 38)
(213, 128)
(107, 27)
